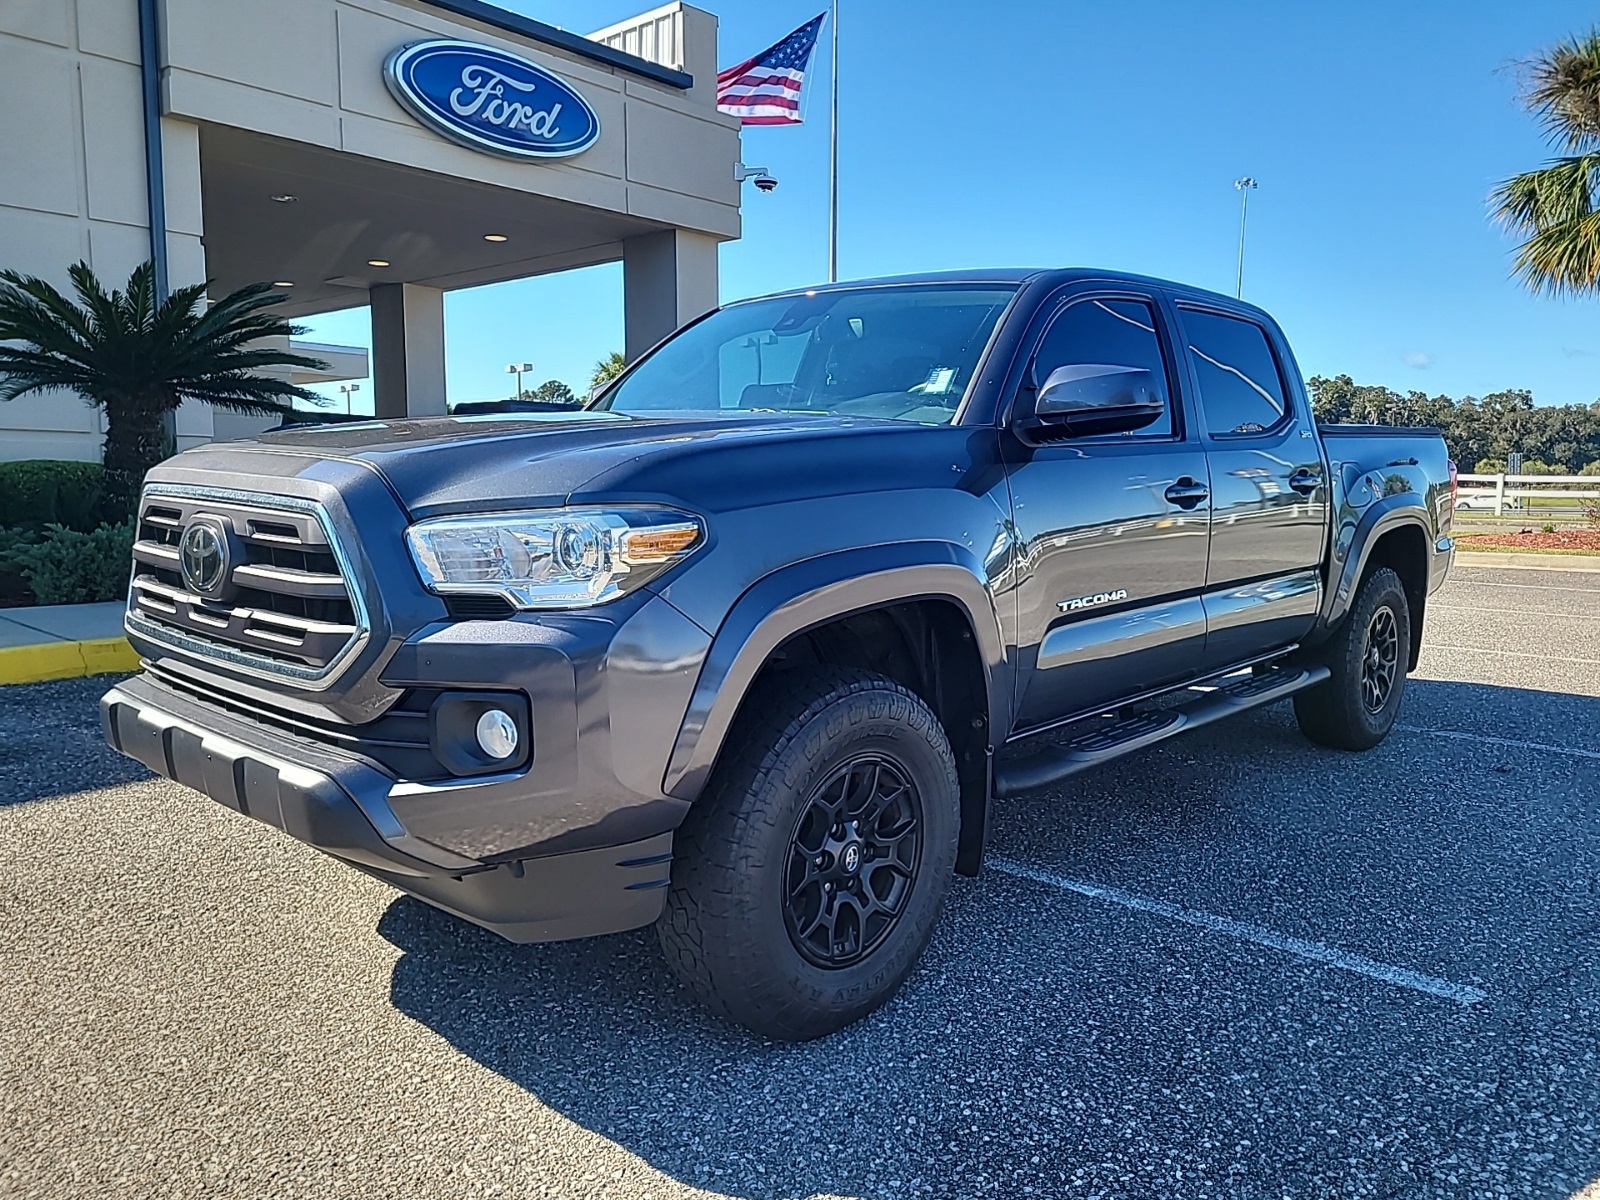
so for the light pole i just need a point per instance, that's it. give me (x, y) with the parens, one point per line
(1245, 186)
(833, 156)
(517, 369)
(349, 390)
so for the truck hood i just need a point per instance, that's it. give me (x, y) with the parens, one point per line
(447, 465)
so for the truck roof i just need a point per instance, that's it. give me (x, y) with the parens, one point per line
(1050, 276)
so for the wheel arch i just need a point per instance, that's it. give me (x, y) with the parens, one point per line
(1394, 533)
(917, 612)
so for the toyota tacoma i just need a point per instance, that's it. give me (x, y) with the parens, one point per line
(746, 648)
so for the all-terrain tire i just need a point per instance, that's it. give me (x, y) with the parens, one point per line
(732, 928)
(1355, 708)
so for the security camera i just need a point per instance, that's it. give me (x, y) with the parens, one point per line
(759, 175)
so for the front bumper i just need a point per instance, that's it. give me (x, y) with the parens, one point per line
(343, 806)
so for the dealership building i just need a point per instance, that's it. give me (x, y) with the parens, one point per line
(357, 152)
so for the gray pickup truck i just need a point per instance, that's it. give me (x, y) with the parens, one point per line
(736, 650)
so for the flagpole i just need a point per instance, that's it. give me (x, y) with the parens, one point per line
(833, 160)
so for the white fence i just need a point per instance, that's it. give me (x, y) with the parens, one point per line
(1501, 494)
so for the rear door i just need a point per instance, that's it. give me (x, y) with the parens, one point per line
(1112, 529)
(1269, 488)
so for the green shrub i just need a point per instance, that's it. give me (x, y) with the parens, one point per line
(68, 566)
(13, 587)
(46, 491)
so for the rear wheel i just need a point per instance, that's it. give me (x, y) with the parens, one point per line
(807, 880)
(1367, 655)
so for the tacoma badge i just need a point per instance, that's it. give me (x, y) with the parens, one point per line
(1090, 601)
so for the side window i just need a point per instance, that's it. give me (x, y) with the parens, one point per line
(1114, 333)
(1241, 389)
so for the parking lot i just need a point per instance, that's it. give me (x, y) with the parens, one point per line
(1240, 966)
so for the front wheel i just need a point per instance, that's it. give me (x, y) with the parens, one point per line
(807, 880)
(1367, 655)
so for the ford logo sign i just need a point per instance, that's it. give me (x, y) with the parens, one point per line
(491, 100)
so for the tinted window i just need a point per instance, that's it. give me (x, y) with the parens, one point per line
(1240, 388)
(1119, 333)
(906, 352)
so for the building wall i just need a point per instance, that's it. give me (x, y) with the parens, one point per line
(312, 71)
(72, 178)
(73, 186)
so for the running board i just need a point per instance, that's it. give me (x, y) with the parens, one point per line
(1110, 742)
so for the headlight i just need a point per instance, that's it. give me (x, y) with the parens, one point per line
(556, 558)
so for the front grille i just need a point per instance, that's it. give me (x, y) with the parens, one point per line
(282, 605)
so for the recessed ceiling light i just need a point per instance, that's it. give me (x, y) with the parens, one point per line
(284, 198)
(283, 283)
(377, 262)
(494, 237)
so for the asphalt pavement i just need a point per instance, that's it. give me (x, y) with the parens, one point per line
(1238, 966)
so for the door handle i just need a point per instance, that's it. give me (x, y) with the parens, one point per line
(1305, 482)
(1187, 492)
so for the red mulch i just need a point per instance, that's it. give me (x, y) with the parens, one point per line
(1532, 539)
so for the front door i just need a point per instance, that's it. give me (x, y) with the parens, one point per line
(1112, 529)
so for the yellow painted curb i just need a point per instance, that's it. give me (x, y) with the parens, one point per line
(66, 660)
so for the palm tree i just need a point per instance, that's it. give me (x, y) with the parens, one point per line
(1554, 208)
(137, 360)
(607, 369)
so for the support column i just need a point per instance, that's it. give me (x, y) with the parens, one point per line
(407, 350)
(668, 279)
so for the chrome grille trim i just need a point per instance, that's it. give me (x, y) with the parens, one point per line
(245, 626)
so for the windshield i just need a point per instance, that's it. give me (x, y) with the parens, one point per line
(905, 352)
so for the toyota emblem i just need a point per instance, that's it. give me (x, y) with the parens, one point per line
(203, 559)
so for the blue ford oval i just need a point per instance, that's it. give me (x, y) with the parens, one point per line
(491, 100)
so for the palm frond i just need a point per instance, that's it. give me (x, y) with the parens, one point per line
(104, 309)
(1562, 258)
(1553, 210)
(247, 393)
(31, 308)
(1561, 86)
(23, 372)
(1561, 191)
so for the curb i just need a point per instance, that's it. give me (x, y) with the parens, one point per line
(1527, 562)
(66, 660)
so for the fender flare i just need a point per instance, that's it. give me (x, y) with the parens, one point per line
(813, 592)
(1385, 516)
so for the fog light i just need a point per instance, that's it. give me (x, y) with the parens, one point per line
(497, 734)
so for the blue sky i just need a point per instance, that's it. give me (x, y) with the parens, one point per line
(1041, 132)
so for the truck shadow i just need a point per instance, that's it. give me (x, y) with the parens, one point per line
(1043, 1045)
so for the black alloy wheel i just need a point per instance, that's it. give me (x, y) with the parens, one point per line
(806, 881)
(853, 860)
(1367, 657)
(1381, 661)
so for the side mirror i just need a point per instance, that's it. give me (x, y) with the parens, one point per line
(1096, 398)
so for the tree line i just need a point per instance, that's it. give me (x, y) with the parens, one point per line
(1481, 432)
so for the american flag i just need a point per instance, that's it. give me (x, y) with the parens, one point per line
(765, 90)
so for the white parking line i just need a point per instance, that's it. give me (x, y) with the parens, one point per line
(1537, 587)
(1543, 747)
(1583, 662)
(1512, 612)
(1314, 951)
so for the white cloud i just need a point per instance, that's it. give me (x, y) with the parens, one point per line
(1420, 359)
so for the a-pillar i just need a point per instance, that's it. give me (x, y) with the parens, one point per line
(668, 279)
(407, 350)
